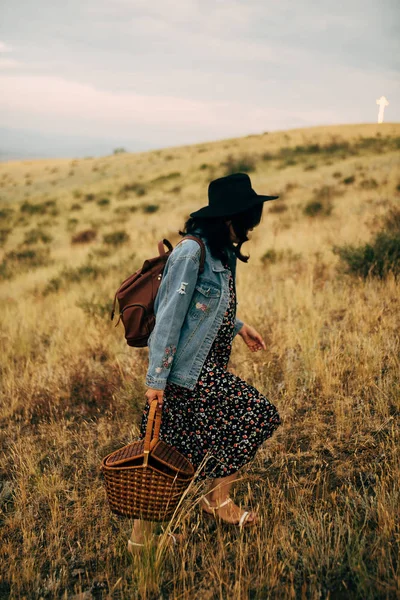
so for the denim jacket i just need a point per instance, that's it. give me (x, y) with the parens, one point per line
(189, 309)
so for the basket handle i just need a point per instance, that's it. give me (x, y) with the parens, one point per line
(153, 419)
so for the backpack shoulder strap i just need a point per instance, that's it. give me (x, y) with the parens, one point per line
(202, 248)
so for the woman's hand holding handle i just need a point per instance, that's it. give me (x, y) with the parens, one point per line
(153, 394)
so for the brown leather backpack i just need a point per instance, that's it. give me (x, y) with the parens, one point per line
(136, 295)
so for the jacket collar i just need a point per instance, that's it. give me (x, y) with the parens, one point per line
(216, 264)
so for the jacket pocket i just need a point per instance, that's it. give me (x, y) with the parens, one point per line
(204, 299)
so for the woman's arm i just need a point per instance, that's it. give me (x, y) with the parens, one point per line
(238, 325)
(173, 300)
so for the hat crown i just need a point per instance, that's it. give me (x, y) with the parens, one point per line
(237, 185)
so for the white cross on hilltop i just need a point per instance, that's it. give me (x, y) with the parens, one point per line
(382, 103)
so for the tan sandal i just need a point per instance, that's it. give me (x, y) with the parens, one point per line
(243, 521)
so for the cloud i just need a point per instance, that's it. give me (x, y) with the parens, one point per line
(43, 94)
(5, 47)
(9, 63)
(71, 106)
(181, 71)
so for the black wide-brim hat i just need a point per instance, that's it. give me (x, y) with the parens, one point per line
(230, 195)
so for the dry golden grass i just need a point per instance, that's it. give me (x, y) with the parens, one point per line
(326, 484)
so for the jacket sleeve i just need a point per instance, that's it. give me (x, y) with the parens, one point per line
(238, 325)
(173, 300)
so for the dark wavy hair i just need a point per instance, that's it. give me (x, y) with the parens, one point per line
(216, 230)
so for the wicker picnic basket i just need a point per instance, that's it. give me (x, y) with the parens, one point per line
(146, 479)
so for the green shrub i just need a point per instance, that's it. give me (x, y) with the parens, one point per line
(6, 213)
(95, 309)
(239, 164)
(5, 271)
(103, 202)
(23, 259)
(290, 162)
(392, 220)
(41, 208)
(116, 238)
(379, 257)
(32, 257)
(150, 208)
(321, 202)
(313, 208)
(4, 233)
(267, 156)
(277, 207)
(376, 259)
(163, 178)
(78, 274)
(89, 197)
(271, 256)
(369, 184)
(71, 224)
(290, 152)
(300, 151)
(138, 188)
(316, 207)
(47, 223)
(76, 207)
(342, 148)
(124, 210)
(378, 144)
(349, 180)
(53, 285)
(33, 236)
(203, 167)
(32, 209)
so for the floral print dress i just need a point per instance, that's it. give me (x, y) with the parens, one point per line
(220, 424)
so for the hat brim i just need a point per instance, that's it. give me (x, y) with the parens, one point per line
(210, 211)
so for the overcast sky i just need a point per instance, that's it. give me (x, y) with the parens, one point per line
(149, 74)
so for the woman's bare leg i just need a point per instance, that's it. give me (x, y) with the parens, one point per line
(218, 489)
(141, 530)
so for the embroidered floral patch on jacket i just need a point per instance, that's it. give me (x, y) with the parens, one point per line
(167, 358)
(201, 306)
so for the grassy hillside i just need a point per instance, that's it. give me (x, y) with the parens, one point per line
(326, 484)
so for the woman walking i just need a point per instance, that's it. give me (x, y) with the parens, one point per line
(208, 412)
